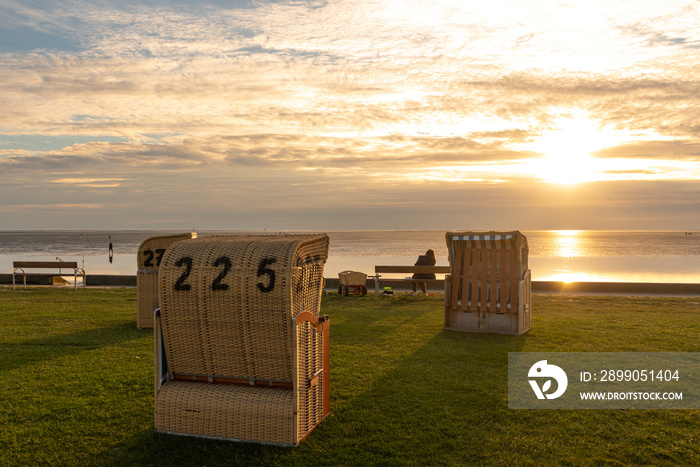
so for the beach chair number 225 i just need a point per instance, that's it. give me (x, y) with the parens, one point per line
(225, 263)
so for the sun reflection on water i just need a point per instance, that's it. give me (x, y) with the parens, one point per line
(567, 244)
(560, 275)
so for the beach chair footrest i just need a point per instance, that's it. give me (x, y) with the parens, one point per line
(223, 411)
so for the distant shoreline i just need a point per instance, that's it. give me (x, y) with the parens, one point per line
(538, 287)
(639, 256)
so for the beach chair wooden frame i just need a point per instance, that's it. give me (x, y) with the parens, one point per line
(241, 352)
(489, 285)
(148, 258)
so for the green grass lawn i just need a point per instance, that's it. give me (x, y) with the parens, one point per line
(77, 387)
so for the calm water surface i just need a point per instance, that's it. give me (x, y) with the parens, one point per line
(638, 256)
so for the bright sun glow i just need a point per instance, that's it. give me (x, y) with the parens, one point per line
(567, 244)
(567, 150)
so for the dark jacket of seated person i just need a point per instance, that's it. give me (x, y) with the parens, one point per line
(428, 259)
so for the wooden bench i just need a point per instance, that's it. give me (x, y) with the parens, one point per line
(20, 266)
(409, 270)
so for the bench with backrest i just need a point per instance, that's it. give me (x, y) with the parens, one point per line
(378, 270)
(20, 267)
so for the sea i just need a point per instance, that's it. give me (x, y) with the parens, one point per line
(561, 255)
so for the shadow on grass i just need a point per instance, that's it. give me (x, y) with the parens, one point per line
(446, 403)
(401, 394)
(18, 354)
(430, 404)
(147, 447)
(404, 391)
(370, 337)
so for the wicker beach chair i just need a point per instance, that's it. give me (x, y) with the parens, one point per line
(148, 260)
(488, 288)
(241, 351)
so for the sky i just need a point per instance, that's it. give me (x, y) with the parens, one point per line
(350, 114)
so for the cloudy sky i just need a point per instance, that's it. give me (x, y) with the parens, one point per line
(350, 114)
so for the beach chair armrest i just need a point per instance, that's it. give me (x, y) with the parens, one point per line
(322, 325)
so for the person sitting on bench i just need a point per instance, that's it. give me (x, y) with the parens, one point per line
(428, 259)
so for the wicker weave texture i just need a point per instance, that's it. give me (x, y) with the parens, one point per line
(228, 305)
(310, 410)
(250, 306)
(226, 411)
(148, 258)
(146, 298)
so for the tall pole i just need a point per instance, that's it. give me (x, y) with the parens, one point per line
(83, 235)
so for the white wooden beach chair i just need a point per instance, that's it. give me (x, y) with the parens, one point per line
(488, 288)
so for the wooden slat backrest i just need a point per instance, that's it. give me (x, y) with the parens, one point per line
(484, 280)
(486, 268)
(457, 276)
(413, 269)
(473, 280)
(513, 278)
(493, 283)
(504, 290)
(45, 264)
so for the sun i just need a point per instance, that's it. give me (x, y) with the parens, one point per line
(567, 167)
(567, 150)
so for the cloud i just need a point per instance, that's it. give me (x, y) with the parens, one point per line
(48, 207)
(255, 100)
(333, 68)
(670, 150)
(91, 182)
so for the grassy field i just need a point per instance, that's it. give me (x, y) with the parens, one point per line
(77, 387)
